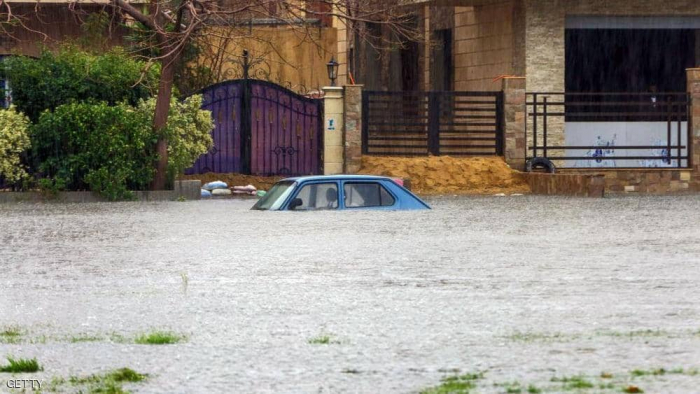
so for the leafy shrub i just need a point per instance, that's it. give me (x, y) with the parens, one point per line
(188, 131)
(108, 149)
(14, 141)
(72, 75)
(111, 149)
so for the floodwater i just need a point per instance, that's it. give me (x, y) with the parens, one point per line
(521, 288)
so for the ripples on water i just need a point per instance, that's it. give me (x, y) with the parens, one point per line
(407, 294)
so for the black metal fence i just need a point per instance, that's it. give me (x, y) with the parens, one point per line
(436, 123)
(653, 127)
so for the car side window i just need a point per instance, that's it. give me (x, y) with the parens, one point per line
(315, 196)
(367, 194)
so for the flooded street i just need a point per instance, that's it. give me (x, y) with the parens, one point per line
(524, 289)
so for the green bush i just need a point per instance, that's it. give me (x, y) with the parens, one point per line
(107, 149)
(14, 141)
(111, 149)
(188, 131)
(72, 75)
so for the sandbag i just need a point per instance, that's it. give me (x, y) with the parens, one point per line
(215, 185)
(249, 188)
(221, 192)
(205, 193)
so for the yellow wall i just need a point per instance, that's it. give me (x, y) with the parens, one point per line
(292, 57)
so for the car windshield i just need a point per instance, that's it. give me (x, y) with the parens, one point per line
(275, 196)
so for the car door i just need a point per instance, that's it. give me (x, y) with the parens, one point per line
(315, 195)
(357, 194)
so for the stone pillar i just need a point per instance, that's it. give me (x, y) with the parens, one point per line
(693, 75)
(353, 128)
(514, 121)
(333, 130)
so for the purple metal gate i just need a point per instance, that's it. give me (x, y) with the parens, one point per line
(224, 100)
(262, 129)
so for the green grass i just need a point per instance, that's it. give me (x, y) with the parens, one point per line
(84, 338)
(656, 372)
(109, 383)
(663, 371)
(323, 340)
(648, 333)
(540, 337)
(516, 388)
(532, 389)
(10, 334)
(125, 375)
(159, 338)
(457, 384)
(577, 382)
(20, 365)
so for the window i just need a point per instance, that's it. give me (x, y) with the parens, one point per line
(275, 196)
(316, 196)
(367, 195)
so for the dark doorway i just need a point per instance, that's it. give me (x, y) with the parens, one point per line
(628, 60)
(441, 61)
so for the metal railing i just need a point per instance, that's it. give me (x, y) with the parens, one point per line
(641, 113)
(436, 123)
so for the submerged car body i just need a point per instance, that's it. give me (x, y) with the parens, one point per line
(333, 192)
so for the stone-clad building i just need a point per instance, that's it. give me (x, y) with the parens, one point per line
(615, 74)
(550, 42)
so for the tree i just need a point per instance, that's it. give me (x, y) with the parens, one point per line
(169, 26)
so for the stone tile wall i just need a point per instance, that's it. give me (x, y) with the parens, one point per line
(352, 128)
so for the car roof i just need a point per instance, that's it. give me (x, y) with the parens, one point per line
(338, 178)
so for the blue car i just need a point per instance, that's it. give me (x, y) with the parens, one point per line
(310, 193)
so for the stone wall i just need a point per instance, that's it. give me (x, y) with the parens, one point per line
(352, 129)
(514, 121)
(574, 185)
(646, 181)
(484, 45)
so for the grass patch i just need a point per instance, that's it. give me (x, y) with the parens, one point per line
(632, 389)
(159, 338)
(84, 338)
(636, 333)
(10, 334)
(457, 384)
(663, 371)
(577, 382)
(110, 382)
(532, 389)
(323, 340)
(125, 375)
(517, 388)
(20, 365)
(540, 337)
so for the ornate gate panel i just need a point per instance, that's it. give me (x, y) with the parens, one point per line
(285, 131)
(225, 101)
(262, 129)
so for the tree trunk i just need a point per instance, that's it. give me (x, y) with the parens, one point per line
(160, 119)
